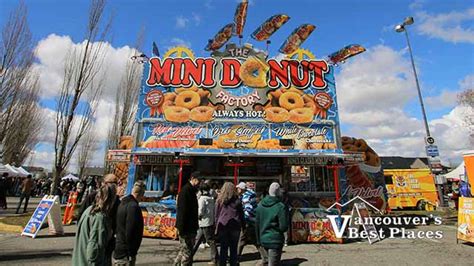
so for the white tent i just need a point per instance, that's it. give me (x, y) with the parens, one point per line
(20, 172)
(4, 169)
(12, 171)
(70, 176)
(21, 169)
(457, 174)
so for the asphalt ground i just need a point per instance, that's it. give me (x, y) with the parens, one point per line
(57, 250)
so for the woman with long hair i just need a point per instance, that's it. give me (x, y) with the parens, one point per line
(94, 230)
(229, 222)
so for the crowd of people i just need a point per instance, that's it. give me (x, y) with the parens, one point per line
(231, 216)
(110, 229)
(26, 187)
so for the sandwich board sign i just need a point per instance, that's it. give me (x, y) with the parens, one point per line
(360, 209)
(48, 207)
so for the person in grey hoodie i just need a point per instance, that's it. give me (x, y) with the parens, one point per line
(206, 206)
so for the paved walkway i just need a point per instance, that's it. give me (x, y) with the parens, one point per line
(49, 250)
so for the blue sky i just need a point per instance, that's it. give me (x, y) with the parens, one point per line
(443, 58)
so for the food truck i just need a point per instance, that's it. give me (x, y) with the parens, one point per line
(411, 188)
(236, 113)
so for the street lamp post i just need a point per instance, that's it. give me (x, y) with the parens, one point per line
(402, 28)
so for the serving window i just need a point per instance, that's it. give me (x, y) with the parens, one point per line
(311, 179)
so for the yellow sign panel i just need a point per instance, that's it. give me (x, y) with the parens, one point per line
(410, 188)
(466, 219)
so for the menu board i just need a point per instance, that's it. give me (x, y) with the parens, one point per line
(466, 219)
(239, 100)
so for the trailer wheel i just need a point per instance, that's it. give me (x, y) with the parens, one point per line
(421, 205)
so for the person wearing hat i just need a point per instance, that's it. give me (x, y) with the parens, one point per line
(249, 203)
(187, 219)
(271, 224)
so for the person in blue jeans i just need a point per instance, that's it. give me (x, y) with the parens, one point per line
(271, 224)
(229, 215)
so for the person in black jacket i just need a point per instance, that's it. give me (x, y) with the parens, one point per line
(187, 220)
(129, 227)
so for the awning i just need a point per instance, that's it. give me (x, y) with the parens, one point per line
(12, 171)
(71, 177)
(456, 174)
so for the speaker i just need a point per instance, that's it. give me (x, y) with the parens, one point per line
(286, 142)
(205, 142)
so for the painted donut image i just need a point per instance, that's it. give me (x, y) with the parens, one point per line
(202, 114)
(291, 100)
(309, 102)
(177, 114)
(170, 96)
(276, 114)
(301, 115)
(269, 144)
(361, 145)
(372, 159)
(188, 99)
(253, 73)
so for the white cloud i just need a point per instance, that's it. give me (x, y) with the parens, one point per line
(417, 4)
(380, 73)
(467, 82)
(374, 90)
(179, 42)
(51, 53)
(209, 4)
(444, 99)
(181, 22)
(196, 18)
(453, 135)
(450, 27)
(43, 159)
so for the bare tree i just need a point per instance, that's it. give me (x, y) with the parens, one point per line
(87, 148)
(26, 124)
(126, 99)
(16, 52)
(466, 98)
(80, 90)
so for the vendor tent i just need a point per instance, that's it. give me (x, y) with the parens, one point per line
(457, 174)
(22, 173)
(13, 171)
(70, 176)
(4, 169)
(22, 170)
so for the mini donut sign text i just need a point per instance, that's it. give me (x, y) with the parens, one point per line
(186, 72)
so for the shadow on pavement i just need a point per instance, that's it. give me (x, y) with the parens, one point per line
(294, 261)
(29, 256)
(68, 234)
(250, 256)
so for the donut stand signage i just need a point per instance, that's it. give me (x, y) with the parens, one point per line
(241, 101)
(312, 225)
